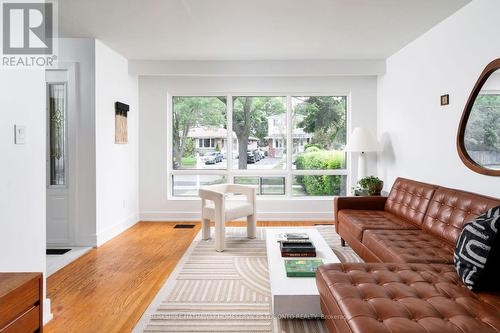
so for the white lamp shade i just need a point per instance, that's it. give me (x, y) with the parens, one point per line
(362, 140)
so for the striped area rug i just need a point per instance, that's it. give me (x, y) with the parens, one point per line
(227, 291)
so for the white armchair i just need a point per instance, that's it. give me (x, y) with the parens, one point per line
(215, 207)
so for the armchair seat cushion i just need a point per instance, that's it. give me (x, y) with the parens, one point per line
(234, 209)
(411, 298)
(357, 221)
(408, 246)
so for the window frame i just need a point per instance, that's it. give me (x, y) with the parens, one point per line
(495, 92)
(491, 68)
(230, 173)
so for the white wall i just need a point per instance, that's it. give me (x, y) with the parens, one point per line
(117, 166)
(81, 52)
(420, 134)
(22, 188)
(107, 174)
(154, 204)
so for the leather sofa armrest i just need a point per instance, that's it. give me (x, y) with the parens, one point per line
(364, 203)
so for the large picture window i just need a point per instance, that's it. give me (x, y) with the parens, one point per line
(289, 145)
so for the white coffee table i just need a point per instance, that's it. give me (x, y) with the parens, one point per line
(295, 296)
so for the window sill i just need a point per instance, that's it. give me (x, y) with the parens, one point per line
(264, 198)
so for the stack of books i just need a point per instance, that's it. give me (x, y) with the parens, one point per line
(296, 245)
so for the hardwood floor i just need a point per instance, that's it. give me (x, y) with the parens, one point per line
(109, 288)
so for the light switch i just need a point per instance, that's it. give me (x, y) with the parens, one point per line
(19, 134)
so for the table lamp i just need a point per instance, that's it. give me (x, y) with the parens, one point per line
(362, 141)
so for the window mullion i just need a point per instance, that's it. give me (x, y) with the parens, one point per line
(229, 146)
(289, 147)
(169, 142)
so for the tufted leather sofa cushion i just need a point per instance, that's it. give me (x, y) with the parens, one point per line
(416, 288)
(357, 221)
(409, 298)
(451, 209)
(408, 246)
(409, 199)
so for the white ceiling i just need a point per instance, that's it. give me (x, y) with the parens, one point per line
(253, 29)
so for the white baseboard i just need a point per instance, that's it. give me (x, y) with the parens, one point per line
(115, 230)
(87, 240)
(154, 216)
(47, 311)
(57, 241)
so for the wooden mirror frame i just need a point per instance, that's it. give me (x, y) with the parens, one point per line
(462, 152)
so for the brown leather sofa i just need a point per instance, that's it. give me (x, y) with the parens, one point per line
(408, 283)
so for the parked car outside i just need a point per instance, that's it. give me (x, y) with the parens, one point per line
(254, 155)
(258, 153)
(212, 158)
(251, 158)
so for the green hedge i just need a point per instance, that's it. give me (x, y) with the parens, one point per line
(321, 160)
(316, 145)
(312, 149)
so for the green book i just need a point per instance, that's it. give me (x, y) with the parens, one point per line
(302, 267)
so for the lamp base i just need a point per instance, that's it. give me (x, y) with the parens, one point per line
(361, 165)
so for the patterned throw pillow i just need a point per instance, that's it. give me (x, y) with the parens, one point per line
(477, 249)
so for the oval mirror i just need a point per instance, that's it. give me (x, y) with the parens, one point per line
(478, 138)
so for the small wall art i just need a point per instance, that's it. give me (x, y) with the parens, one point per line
(121, 132)
(445, 99)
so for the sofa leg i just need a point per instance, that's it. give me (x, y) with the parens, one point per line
(342, 242)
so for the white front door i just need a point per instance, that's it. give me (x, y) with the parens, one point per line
(59, 187)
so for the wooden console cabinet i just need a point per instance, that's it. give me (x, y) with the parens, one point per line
(21, 296)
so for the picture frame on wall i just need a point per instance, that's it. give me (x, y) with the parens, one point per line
(121, 123)
(445, 99)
